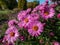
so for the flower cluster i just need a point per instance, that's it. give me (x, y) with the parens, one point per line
(39, 22)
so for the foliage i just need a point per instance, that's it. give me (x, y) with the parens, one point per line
(11, 3)
(32, 4)
(3, 18)
(35, 3)
(3, 29)
(5, 12)
(22, 4)
(8, 4)
(3, 4)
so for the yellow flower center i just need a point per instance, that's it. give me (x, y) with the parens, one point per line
(26, 20)
(35, 28)
(12, 34)
(46, 13)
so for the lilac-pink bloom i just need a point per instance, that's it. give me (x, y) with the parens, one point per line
(12, 22)
(22, 15)
(12, 34)
(47, 13)
(55, 43)
(28, 19)
(58, 16)
(5, 41)
(25, 22)
(40, 7)
(35, 28)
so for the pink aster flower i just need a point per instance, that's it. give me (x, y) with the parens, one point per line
(12, 34)
(56, 43)
(5, 41)
(12, 22)
(21, 15)
(35, 28)
(40, 7)
(47, 13)
(58, 16)
(28, 19)
(24, 23)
